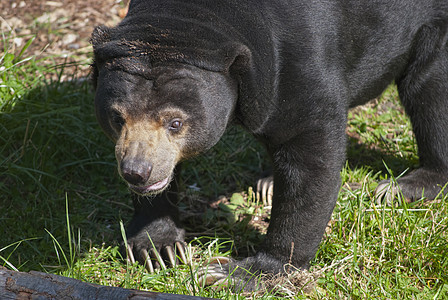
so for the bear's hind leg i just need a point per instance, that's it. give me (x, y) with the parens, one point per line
(424, 93)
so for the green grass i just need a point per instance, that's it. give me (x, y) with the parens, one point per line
(62, 200)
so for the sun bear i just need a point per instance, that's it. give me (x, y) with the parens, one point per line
(174, 74)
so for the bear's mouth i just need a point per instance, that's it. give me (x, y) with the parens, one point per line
(151, 189)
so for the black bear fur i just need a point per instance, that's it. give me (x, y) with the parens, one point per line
(174, 73)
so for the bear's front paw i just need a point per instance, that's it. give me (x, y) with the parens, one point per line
(414, 186)
(245, 275)
(155, 244)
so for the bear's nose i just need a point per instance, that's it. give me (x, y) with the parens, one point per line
(136, 172)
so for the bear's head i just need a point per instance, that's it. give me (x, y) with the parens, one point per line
(157, 107)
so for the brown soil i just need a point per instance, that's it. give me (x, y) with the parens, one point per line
(61, 28)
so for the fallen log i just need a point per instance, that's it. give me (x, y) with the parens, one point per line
(37, 285)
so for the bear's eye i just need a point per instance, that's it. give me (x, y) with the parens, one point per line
(117, 120)
(175, 125)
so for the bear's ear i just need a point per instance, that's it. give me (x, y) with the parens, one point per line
(100, 35)
(238, 58)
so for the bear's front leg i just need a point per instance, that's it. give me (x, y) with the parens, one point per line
(154, 234)
(306, 185)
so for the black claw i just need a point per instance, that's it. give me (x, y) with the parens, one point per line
(181, 249)
(156, 255)
(265, 190)
(152, 259)
(206, 280)
(171, 257)
(130, 255)
(214, 269)
(258, 189)
(385, 193)
(270, 192)
(218, 260)
(211, 274)
(148, 263)
(214, 275)
(221, 284)
(380, 191)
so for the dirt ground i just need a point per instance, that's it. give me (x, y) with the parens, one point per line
(61, 28)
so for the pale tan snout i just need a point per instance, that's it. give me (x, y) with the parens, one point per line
(146, 156)
(135, 165)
